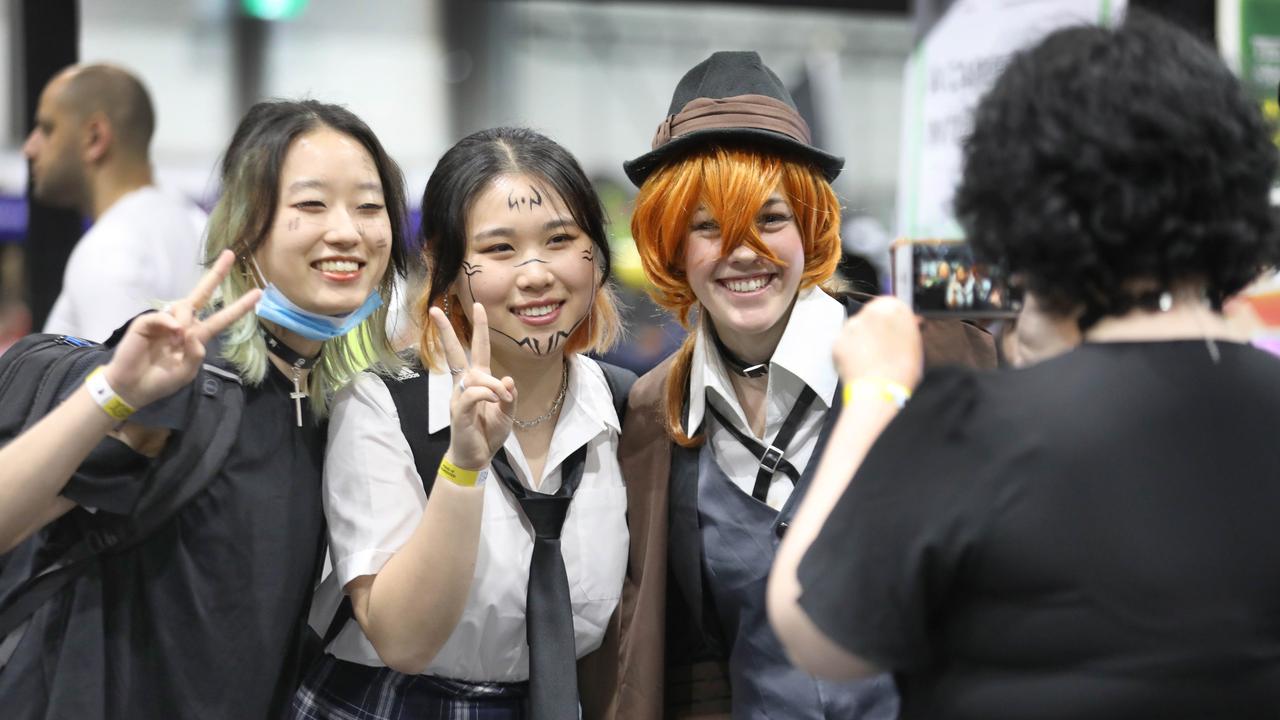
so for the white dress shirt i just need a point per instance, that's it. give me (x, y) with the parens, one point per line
(803, 357)
(374, 500)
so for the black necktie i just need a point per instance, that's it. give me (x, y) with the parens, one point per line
(553, 657)
(771, 458)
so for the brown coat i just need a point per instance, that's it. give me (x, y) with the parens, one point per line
(628, 677)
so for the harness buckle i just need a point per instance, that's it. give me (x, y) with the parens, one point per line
(771, 459)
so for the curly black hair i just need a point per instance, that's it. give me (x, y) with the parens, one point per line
(1105, 158)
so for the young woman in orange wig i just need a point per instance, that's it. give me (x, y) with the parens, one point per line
(738, 229)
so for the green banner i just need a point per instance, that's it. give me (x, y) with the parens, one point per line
(1260, 54)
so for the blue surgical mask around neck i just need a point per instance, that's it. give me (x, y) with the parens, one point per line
(282, 311)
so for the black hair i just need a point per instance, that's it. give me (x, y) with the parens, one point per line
(242, 221)
(468, 168)
(1109, 158)
(253, 162)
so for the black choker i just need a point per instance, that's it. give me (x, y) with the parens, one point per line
(736, 364)
(276, 347)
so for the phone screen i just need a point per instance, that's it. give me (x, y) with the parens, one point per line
(940, 277)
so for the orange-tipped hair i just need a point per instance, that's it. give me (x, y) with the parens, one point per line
(733, 184)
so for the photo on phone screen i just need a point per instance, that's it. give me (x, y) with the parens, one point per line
(940, 277)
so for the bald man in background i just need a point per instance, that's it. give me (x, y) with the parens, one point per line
(89, 152)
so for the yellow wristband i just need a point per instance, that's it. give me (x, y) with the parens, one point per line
(883, 388)
(458, 476)
(106, 398)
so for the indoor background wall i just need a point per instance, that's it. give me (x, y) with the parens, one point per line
(596, 76)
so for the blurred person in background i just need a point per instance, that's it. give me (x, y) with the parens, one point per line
(960, 288)
(1091, 536)
(736, 224)
(89, 152)
(205, 616)
(477, 516)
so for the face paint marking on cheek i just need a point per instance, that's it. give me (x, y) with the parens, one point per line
(294, 222)
(528, 342)
(469, 270)
(524, 202)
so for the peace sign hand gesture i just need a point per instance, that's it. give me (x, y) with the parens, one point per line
(162, 351)
(482, 406)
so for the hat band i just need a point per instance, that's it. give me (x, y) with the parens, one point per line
(759, 112)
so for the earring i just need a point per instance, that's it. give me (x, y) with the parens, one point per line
(1166, 301)
(446, 306)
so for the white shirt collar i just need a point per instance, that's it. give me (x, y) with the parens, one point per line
(804, 352)
(588, 410)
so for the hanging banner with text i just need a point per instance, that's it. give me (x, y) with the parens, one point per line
(944, 78)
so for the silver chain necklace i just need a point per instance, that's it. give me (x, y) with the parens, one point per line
(555, 406)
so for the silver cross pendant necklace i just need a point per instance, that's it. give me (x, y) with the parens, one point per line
(276, 347)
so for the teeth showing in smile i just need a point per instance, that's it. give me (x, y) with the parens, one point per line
(747, 284)
(340, 266)
(538, 310)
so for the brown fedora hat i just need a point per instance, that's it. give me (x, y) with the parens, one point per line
(731, 99)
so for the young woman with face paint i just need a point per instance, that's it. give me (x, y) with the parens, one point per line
(737, 225)
(446, 486)
(205, 616)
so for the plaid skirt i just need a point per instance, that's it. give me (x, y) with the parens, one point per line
(340, 690)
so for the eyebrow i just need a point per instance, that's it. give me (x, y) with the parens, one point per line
(506, 232)
(322, 185)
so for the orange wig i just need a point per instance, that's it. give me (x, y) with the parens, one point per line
(733, 184)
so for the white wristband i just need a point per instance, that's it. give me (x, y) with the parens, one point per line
(107, 399)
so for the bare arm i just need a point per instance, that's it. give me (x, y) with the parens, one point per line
(39, 462)
(881, 341)
(159, 354)
(410, 607)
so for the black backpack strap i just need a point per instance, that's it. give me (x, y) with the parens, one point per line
(620, 381)
(409, 393)
(190, 460)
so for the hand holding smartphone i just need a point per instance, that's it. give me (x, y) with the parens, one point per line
(940, 278)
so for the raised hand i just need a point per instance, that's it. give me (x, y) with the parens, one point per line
(162, 351)
(882, 340)
(482, 406)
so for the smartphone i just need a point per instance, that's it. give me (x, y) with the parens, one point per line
(941, 278)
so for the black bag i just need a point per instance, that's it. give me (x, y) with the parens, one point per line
(40, 370)
(409, 393)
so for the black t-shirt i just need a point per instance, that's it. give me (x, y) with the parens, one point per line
(1092, 537)
(204, 619)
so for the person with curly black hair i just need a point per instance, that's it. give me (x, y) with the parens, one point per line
(1092, 535)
